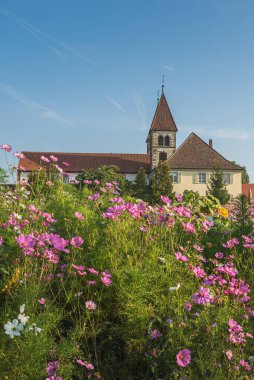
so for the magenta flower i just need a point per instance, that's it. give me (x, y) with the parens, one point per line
(199, 272)
(42, 301)
(45, 159)
(26, 241)
(6, 147)
(106, 281)
(181, 257)
(165, 199)
(79, 216)
(203, 296)
(229, 354)
(77, 241)
(183, 358)
(90, 305)
(155, 334)
(53, 158)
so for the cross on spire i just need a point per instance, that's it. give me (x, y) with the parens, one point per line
(162, 85)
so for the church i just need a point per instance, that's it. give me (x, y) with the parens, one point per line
(191, 163)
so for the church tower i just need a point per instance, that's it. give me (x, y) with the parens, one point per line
(161, 139)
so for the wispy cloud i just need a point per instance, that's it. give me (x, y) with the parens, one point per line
(115, 103)
(56, 45)
(44, 111)
(140, 105)
(219, 133)
(167, 67)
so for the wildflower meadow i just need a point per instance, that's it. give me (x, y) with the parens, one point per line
(96, 284)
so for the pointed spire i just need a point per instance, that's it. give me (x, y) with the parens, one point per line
(163, 119)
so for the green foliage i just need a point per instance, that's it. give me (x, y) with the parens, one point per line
(3, 176)
(217, 188)
(245, 175)
(149, 288)
(161, 182)
(140, 185)
(104, 174)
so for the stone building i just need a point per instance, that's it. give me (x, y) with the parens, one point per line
(191, 164)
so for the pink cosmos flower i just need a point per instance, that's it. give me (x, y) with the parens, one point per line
(165, 199)
(53, 158)
(26, 241)
(93, 271)
(203, 296)
(155, 334)
(45, 159)
(90, 305)
(181, 257)
(77, 241)
(245, 365)
(188, 306)
(106, 281)
(42, 301)
(85, 364)
(6, 147)
(229, 354)
(183, 358)
(18, 155)
(179, 198)
(199, 272)
(79, 216)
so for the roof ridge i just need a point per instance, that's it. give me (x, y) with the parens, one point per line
(214, 150)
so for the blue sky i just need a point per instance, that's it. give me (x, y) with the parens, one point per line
(83, 76)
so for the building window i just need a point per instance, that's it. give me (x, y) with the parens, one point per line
(160, 141)
(66, 178)
(162, 156)
(228, 178)
(200, 178)
(176, 177)
(167, 141)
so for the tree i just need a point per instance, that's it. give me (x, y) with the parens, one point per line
(161, 182)
(217, 187)
(3, 176)
(245, 175)
(105, 173)
(140, 185)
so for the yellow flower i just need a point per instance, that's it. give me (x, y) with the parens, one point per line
(13, 281)
(223, 212)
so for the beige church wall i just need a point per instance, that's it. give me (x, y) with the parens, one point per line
(188, 182)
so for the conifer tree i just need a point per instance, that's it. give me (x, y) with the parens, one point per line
(140, 185)
(217, 187)
(161, 182)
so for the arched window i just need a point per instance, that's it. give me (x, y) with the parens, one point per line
(160, 140)
(162, 156)
(167, 141)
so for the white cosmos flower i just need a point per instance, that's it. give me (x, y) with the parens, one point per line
(34, 328)
(23, 318)
(13, 328)
(22, 308)
(175, 287)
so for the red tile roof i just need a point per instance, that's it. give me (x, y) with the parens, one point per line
(163, 119)
(194, 153)
(127, 163)
(248, 189)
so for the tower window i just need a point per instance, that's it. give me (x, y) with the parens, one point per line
(162, 156)
(167, 141)
(160, 140)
